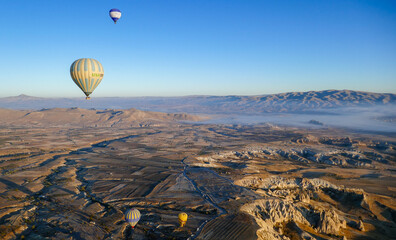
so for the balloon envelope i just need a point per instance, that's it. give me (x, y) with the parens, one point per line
(87, 73)
(115, 14)
(182, 219)
(132, 216)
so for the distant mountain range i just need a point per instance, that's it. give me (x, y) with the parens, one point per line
(282, 102)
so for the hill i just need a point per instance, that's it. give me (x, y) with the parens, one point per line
(75, 117)
(282, 102)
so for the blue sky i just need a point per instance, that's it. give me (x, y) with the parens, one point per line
(198, 47)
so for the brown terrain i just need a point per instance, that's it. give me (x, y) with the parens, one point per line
(72, 173)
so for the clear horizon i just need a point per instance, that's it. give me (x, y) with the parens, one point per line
(218, 47)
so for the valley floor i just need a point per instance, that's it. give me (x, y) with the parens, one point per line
(234, 182)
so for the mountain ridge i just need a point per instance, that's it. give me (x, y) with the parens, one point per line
(281, 102)
(77, 117)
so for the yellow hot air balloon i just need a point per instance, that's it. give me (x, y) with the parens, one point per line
(132, 216)
(183, 219)
(87, 74)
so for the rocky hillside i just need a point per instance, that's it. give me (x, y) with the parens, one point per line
(314, 187)
(76, 117)
(282, 102)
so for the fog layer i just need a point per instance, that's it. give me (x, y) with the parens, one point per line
(376, 118)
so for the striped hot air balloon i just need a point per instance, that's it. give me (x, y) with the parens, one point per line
(183, 219)
(87, 74)
(115, 14)
(132, 216)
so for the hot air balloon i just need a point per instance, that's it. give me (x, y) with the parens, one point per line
(87, 74)
(132, 216)
(115, 14)
(183, 219)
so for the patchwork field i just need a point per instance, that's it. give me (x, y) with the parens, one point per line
(234, 182)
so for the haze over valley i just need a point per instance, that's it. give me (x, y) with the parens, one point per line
(73, 172)
(331, 108)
